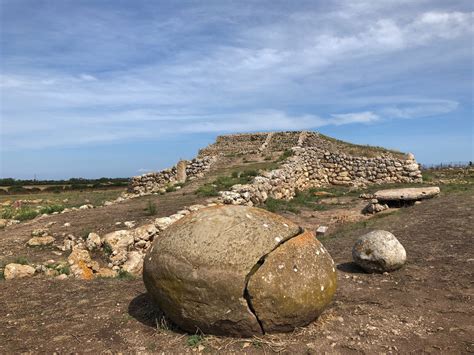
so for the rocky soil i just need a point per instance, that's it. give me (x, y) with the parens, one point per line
(423, 307)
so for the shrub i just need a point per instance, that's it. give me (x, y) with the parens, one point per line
(52, 208)
(170, 188)
(124, 275)
(7, 213)
(21, 260)
(26, 213)
(17, 190)
(151, 208)
(107, 249)
(286, 154)
(194, 340)
(63, 269)
(207, 190)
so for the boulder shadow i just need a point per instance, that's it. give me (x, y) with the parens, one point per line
(144, 310)
(351, 268)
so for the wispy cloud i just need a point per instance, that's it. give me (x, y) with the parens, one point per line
(107, 74)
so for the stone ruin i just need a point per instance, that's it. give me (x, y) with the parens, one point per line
(316, 160)
(157, 182)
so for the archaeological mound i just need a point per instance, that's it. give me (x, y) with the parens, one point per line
(239, 271)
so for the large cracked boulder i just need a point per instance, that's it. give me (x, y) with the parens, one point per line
(237, 270)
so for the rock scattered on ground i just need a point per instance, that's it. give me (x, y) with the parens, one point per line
(407, 194)
(15, 271)
(206, 272)
(40, 241)
(375, 207)
(379, 251)
(93, 241)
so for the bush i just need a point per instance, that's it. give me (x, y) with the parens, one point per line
(224, 183)
(52, 208)
(21, 260)
(170, 188)
(124, 275)
(302, 199)
(26, 213)
(286, 154)
(18, 190)
(151, 208)
(7, 213)
(207, 190)
(56, 189)
(194, 340)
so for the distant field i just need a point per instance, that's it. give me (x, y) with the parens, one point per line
(18, 187)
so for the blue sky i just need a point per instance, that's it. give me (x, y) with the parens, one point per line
(115, 88)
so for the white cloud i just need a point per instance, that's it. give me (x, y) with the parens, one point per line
(356, 117)
(349, 63)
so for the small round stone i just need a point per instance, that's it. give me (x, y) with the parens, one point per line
(379, 251)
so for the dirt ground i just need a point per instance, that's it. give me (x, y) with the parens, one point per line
(424, 307)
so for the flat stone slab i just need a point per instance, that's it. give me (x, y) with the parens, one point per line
(407, 194)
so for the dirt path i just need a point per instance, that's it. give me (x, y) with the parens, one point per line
(424, 307)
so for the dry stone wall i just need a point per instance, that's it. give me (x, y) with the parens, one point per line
(159, 181)
(315, 167)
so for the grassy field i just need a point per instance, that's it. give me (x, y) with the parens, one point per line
(28, 206)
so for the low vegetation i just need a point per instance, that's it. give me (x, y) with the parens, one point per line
(303, 199)
(224, 183)
(362, 150)
(124, 275)
(151, 208)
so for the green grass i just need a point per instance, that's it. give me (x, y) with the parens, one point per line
(362, 150)
(224, 183)
(124, 275)
(151, 209)
(286, 154)
(51, 209)
(21, 260)
(170, 188)
(68, 199)
(107, 249)
(26, 213)
(60, 268)
(303, 199)
(7, 213)
(194, 340)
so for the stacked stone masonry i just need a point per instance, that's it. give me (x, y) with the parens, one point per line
(235, 144)
(317, 161)
(315, 167)
(159, 181)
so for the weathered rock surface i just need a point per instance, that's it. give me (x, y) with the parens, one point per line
(407, 194)
(134, 263)
(119, 240)
(82, 266)
(294, 284)
(379, 251)
(40, 241)
(199, 268)
(93, 241)
(16, 271)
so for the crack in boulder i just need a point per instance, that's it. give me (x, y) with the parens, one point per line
(254, 269)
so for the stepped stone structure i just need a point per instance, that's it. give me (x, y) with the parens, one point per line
(316, 160)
